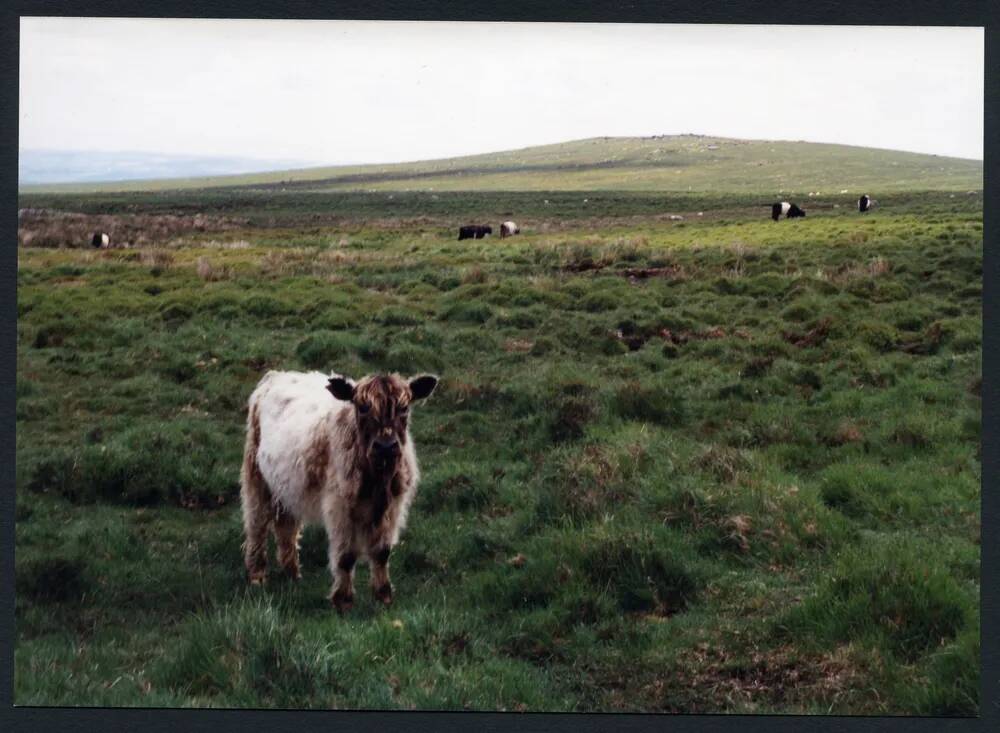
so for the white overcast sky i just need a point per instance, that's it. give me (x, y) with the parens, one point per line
(356, 92)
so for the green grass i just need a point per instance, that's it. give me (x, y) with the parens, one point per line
(661, 163)
(747, 483)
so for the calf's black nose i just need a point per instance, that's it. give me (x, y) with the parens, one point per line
(387, 446)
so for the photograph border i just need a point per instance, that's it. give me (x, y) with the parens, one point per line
(847, 12)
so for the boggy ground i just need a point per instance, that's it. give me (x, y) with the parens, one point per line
(722, 464)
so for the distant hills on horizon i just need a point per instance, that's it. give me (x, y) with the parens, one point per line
(660, 162)
(37, 166)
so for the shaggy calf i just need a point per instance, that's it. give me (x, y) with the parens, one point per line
(325, 450)
(783, 208)
(509, 229)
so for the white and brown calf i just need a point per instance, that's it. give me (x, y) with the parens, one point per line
(325, 450)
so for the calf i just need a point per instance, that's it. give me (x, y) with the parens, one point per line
(783, 208)
(326, 450)
(509, 229)
(100, 240)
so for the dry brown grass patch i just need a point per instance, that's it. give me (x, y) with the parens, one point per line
(725, 463)
(813, 337)
(517, 345)
(730, 679)
(156, 258)
(210, 272)
(848, 273)
(473, 276)
(52, 228)
(846, 432)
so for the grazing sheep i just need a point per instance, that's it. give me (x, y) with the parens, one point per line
(325, 450)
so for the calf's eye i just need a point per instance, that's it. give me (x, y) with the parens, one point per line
(364, 408)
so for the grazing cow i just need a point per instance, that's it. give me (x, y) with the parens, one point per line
(789, 211)
(100, 240)
(509, 229)
(866, 203)
(325, 450)
(474, 231)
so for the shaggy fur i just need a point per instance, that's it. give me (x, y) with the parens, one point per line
(324, 450)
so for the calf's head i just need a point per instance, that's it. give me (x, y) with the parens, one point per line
(382, 410)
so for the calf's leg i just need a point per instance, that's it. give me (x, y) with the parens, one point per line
(258, 515)
(255, 499)
(381, 587)
(286, 535)
(342, 561)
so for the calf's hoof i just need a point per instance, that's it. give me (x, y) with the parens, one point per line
(384, 593)
(342, 602)
(258, 577)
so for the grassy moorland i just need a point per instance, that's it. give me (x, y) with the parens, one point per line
(658, 163)
(714, 465)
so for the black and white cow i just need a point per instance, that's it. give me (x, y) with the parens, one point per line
(783, 208)
(866, 203)
(100, 240)
(509, 229)
(474, 231)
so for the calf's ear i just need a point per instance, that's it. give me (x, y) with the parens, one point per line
(341, 388)
(422, 386)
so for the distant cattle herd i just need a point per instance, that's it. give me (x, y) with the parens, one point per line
(785, 209)
(102, 240)
(478, 231)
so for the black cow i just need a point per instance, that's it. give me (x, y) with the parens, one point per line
(791, 211)
(474, 231)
